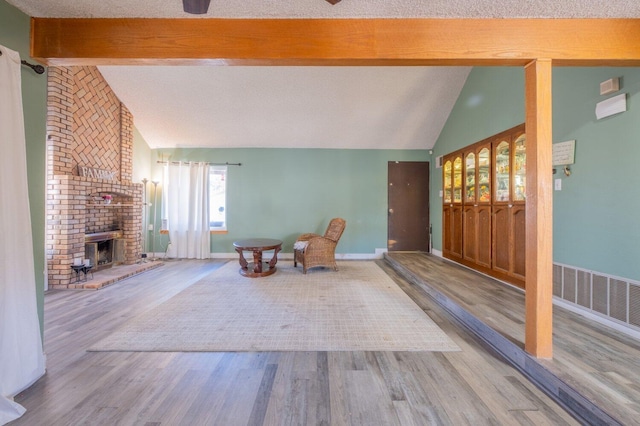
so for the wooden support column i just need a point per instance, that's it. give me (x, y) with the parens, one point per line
(539, 211)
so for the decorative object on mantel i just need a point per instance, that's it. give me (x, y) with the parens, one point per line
(107, 198)
(92, 172)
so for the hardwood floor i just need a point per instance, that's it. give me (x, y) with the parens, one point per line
(473, 387)
(592, 364)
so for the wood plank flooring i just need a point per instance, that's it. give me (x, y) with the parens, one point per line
(471, 387)
(602, 364)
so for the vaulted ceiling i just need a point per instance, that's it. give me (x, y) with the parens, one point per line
(324, 107)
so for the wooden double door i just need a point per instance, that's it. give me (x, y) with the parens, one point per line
(484, 206)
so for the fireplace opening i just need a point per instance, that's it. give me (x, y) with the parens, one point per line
(100, 254)
(105, 253)
(104, 249)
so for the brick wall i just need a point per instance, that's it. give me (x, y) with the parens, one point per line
(87, 126)
(96, 121)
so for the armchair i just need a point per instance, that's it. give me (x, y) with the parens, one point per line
(319, 250)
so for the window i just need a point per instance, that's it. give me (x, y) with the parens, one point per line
(218, 198)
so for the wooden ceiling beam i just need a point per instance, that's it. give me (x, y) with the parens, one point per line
(581, 42)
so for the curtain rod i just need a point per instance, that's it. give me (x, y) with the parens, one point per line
(39, 69)
(210, 164)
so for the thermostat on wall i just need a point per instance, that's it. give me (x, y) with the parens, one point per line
(610, 86)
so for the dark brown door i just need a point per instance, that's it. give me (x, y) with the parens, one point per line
(408, 199)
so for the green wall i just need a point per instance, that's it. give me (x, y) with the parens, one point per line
(14, 34)
(281, 193)
(595, 225)
(141, 158)
(492, 100)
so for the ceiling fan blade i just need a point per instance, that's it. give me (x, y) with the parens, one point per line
(333, 1)
(197, 7)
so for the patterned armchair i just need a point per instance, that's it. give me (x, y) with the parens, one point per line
(319, 250)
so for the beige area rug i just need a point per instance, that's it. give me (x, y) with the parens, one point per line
(357, 308)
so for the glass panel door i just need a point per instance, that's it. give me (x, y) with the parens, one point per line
(446, 181)
(484, 173)
(519, 169)
(502, 171)
(457, 180)
(470, 178)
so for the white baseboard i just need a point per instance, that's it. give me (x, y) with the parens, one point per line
(359, 256)
(436, 252)
(233, 255)
(380, 252)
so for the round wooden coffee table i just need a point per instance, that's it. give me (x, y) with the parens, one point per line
(257, 246)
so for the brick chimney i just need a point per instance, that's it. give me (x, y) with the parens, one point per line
(89, 155)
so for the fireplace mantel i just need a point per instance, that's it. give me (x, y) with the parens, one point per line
(102, 236)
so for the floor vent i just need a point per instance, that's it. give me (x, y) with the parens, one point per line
(616, 298)
(569, 288)
(618, 301)
(583, 289)
(634, 305)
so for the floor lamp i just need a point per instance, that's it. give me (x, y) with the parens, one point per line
(143, 253)
(155, 211)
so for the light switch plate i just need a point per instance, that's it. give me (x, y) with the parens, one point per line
(558, 184)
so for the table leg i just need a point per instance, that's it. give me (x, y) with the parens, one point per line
(243, 261)
(274, 259)
(257, 261)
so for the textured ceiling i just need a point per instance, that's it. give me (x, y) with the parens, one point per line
(325, 107)
(344, 9)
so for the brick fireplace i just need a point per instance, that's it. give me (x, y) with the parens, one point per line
(89, 155)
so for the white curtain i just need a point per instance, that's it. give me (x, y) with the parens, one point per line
(185, 206)
(21, 357)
